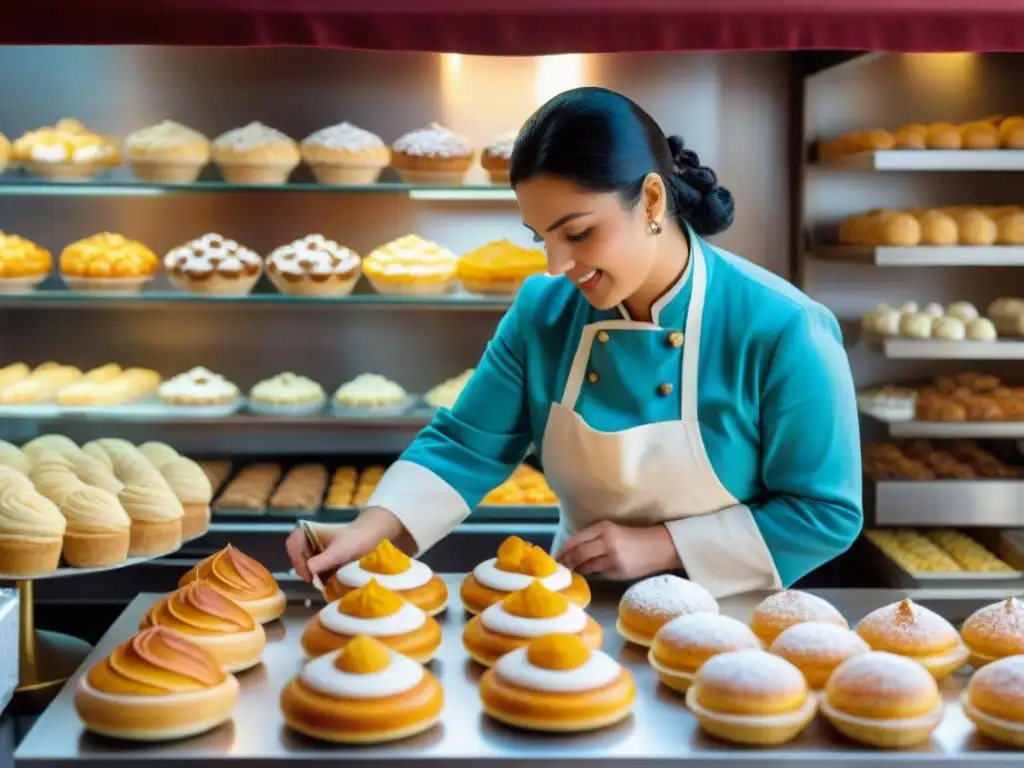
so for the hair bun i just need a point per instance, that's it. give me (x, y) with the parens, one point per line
(682, 158)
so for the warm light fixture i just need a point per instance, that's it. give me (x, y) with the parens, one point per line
(555, 74)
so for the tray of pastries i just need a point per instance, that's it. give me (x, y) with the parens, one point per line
(961, 397)
(954, 225)
(993, 132)
(928, 556)
(958, 321)
(924, 460)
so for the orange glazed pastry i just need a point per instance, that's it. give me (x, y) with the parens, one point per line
(995, 632)
(683, 645)
(518, 563)
(523, 616)
(650, 604)
(911, 630)
(107, 262)
(364, 693)
(243, 579)
(394, 570)
(212, 621)
(499, 267)
(23, 264)
(994, 701)
(782, 610)
(155, 687)
(377, 612)
(558, 684)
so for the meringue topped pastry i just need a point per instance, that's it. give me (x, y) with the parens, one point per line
(314, 266)
(214, 264)
(908, 629)
(497, 157)
(243, 579)
(394, 570)
(167, 153)
(198, 386)
(255, 154)
(288, 390)
(370, 390)
(345, 154)
(432, 155)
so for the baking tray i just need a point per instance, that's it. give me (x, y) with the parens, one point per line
(899, 576)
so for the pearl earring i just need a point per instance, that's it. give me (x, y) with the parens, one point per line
(654, 228)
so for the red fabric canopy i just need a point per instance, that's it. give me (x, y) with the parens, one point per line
(526, 27)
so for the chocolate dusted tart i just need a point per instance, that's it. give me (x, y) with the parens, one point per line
(215, 265)
(314, 266)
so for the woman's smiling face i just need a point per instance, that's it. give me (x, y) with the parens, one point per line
(590, 237)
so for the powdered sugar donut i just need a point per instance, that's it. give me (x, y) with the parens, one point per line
(683, 645)
(816, 648)
(908, 629)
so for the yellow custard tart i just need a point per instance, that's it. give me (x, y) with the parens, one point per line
(499, 268)
(23, 264)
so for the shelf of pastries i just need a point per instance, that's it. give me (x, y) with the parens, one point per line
(947, 557)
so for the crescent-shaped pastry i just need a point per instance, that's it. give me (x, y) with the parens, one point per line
(394, 570)
(911, 630)
(650, 604)
(243, 579)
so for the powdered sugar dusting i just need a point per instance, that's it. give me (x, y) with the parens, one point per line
(434, 141)
(250, 136)
(1000, 623)
(710, 631)
(907, 627)
(1002, 679)
(668, 596)
(819, 638)
(752, 672)
(212, 253)
(346, 136)
(502, 145)
(884, 675)
(792, 606)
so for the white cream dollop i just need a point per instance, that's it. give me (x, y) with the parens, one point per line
(354, 575)
(406, 619)
(402, 674)
(598, 671)
(497, 619)
(504, 581)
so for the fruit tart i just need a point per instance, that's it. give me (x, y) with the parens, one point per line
(23, 264)
(109, 263)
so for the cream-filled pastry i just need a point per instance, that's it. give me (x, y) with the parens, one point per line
(13, 457)
(157, 518)
(212, 621)
(109, 449)
(288, 390)
(517, 565)
(31, 534)
(378, 612)
(364, 693)
(816, 648)
(255, 154)
(994, 701)
(167, 153)
(650, 604)
(198, 387)
(215, 265)
(243, 579)
(686, 642)
(394, 570)
(14, 482)
(54, 477)
(345, 154)
(911, 630)
(158, 453)
(995, 632)
(523, 616)
(782, 610)
(314, 266)
(751, 697)
(94, 472)
(883, 700)
(369, 391)
(157, 686)
(432, 155)
(65, 446)
(410, 265)
(98, 531)
(557, 684)
(190, 484)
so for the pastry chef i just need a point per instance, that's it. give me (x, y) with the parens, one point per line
(692, 410)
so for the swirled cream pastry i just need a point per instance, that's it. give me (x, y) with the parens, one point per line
(558, 684)
(432, 155)
(682, 645)
(378, 612)
(650, 604)
(410, 265)
(14, 482)
(214, 265)
(517, 565)
(98, 530)
(288, 390)
(157, 686)
(995, 632)
(157, 518)
(31, 534)
(109, 449)
(167, 153)
(191, 486)
(243, 579)
(94, 472)
(12, 456)
(255, 154)
(313, 266)
(780, 611)
(365, 693)
(345, 154)
(54, 477)
(212, 621)
(23, 264)
(523, 616)
(394, 570)
(908, 629)
(158, 453)
(198, 387)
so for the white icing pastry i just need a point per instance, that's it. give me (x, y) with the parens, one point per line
(934, 309)
(288, 388)
(908, 306)
(598, 671)
(345, 136)
(963, 310)
(370, 390)
(981, 329)
(949, 329)
(434, 141)
(354, 575)
(212, 253)
(502, 145)
(313, 255)
(250, 136)
(497, 619)
(166, 134)
(50, 153)
(401, 675)
(88, 153)
(504, 581)
(406, 619)
(669, 595)
(199, 382)
(916, 325)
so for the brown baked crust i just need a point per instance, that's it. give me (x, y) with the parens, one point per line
(29, 556)
(95, 550)
(406, 162)
(154, 538)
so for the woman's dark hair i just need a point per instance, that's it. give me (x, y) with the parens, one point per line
(603, 142)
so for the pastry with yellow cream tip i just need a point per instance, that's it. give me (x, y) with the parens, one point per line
(31, 534)
(995, 632)
(364, 693)
(157, 518)
(212, 621)
(682, 645)
(883, 700)
(190, 484)
(499, 267)
(65, 152)
(167, 153)
(751, 697)
(517, 565)
(157, 686)
(523, 616)
(314, 266)
(650, 604)
(98, 531)
(378, 612)
(214, 265)
(12, 456)
(432, 155)
(242, 579)
(497, 157)
(108, 262)
(411, 265)
(994, 701)
(816, 648)
(410, 579)
(557, 684)
(778, 612)
(23, 264)
(41, 386)
(911, 630)
(255, 154)
(345, 154)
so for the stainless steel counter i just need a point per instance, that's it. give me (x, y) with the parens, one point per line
(661, 731)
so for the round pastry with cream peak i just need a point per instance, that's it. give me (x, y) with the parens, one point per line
(212, 621)
(190, 484)
(685, 643)
(243, 579)
(157, 686)
(98, 530)
(908, 629)
(432, 155)
(412, 580)
(995, 632)
(816, 648)
(994, 701)
(557, 684)
(255, 154)
(364, 693)
(883, 700)
(650, 604)
(523, 616)
(751, 697)
(198, 386)
(517, 565)
(778, 612)
(377, 612)
(167, 153)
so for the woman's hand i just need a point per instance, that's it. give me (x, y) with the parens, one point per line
(620, 552)
(345, 542)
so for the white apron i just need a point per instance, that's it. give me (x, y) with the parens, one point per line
(647, 474)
